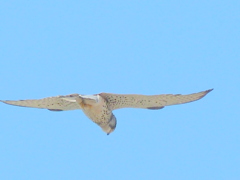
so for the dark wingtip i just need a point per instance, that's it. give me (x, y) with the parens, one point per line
(155, 108)
(55, 110)
(207, 91)
(4, 101)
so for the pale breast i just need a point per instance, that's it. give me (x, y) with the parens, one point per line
(97, 112)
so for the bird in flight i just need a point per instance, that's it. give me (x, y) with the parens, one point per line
(99, 107)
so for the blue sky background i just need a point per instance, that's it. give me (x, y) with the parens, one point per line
(50, 48)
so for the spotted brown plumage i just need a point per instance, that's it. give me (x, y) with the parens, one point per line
(117, 101)
(99, 107)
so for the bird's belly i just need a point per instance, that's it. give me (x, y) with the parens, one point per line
(97, 113)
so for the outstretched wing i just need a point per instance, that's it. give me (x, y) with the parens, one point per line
(57, 103)
(117, 101)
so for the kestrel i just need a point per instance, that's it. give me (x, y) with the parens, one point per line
(99, 107)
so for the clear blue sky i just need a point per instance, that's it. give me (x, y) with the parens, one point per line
(50, 48)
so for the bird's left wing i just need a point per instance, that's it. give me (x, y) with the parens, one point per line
(117, 101)
(56, 103)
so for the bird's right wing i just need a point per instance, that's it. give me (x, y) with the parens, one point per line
(56, 103)
(117, 101)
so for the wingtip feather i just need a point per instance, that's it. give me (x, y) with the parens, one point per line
(206, 92)
(209, 90)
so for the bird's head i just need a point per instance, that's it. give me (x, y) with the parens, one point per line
(110, 126)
